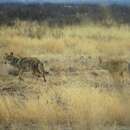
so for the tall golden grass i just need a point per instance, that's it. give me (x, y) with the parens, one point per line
(74, 103)
(81, 39)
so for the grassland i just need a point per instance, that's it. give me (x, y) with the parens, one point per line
(79, 93)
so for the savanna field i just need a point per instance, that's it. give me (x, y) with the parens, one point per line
(84, 90)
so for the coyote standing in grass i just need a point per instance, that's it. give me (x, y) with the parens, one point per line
(118, 68)
(26, 64)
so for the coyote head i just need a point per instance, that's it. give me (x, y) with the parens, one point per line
(8, 58)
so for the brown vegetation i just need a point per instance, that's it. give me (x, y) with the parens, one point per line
(80, 93)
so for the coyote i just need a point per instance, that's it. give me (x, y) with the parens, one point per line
(115, 65)
(118, 68)
(26, 64)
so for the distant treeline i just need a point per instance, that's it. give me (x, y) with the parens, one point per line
(60, 14)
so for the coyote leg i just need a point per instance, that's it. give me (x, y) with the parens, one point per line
(44, 77)
(20, 74)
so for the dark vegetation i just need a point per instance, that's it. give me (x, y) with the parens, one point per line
(64, 13)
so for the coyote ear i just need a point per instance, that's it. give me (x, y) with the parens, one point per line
(11, 53)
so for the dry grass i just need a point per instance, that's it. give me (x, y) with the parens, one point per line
(75, 102)
(83, 39)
